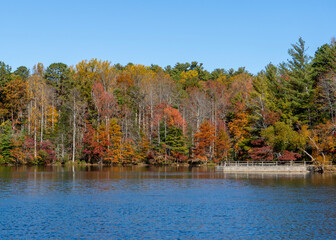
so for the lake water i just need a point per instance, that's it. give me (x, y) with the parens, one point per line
(164, 203)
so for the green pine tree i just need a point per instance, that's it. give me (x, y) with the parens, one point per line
(298, 84)
(6, 144)
(324, 61)
(173, 139)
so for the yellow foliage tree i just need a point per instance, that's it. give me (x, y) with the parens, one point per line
(222, 145)
(238, 129)
(115, 152)
(189, 79)
(42, 114)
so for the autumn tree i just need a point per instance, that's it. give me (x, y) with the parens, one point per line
(320, 142)
(90, 153)
(14, 98)
(102, 112)
(129, 154)
(223, 145)
(282, 137)
(238, 128)
(198, 107)
(204, 142)
(85, 75)
(115, 152)
(143, 148)
(17, 151)
(260, 151)
(105, 103)
(189, 79)
(77, 107)
(170, 135)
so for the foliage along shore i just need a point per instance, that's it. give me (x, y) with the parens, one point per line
(102, 113)
(104, 164)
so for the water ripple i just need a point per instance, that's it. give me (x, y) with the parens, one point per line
(123, 203)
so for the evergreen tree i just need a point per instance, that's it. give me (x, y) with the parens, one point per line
(23, 72)
(5, 76)
(5, 73)
(58, 75)
(323, 74)
(174, 140)
(6, 144)
(298, 84)
(324, 61)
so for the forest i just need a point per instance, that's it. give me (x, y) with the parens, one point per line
(97, 112)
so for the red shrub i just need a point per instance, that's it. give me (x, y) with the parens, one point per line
(289, 156)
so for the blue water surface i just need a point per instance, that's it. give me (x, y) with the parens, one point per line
(164, 203)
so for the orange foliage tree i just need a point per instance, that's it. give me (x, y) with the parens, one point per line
(115, 152)
(238, 129)
(223, 145)
(174, 117)
(204, 141)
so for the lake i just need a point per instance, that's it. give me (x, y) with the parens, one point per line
(164, 203)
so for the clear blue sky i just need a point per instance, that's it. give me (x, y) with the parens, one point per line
(220, 34)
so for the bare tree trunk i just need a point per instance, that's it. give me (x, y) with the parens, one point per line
(52, 114)
(35, 135)
(312, 158)
(165, 125)
(29, 119)
(159, 140)
(151, 118)
(62, 146)
(183, 116)
(42, 121)
(74, 132)
(198, 118)
(139, 119)
(143, 119)
(126, 127)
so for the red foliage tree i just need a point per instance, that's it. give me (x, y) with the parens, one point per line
(174, 117)
(105, 102)
(260, 151)
(90, 144)
(289, 156)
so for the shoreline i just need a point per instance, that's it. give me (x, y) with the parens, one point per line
(327, 169)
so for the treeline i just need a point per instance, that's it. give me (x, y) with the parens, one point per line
(98, 112)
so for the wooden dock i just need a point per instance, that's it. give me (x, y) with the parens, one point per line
(283, 167)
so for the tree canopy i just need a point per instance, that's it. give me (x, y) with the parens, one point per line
(103, 112)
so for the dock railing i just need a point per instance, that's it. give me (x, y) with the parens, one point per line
(265, 163)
